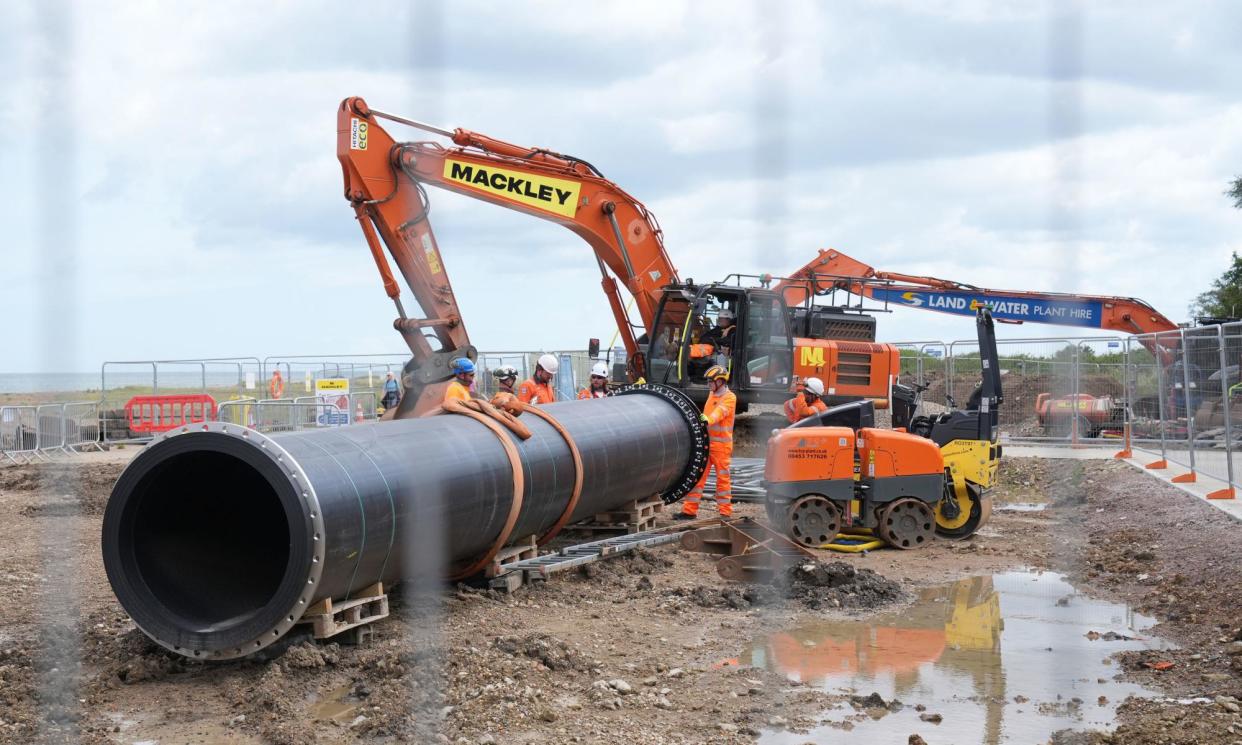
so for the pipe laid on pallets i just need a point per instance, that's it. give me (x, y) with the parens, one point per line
(216, 538)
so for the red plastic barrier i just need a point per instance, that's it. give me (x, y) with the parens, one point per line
(151, 414)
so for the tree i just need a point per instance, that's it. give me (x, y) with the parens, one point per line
(1224, 300)
(1235, 192)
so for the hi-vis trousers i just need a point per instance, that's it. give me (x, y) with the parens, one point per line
(718, 458)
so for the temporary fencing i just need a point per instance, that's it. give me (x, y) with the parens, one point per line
(19, 433)
(149, 415)
(81, 426)
(1173, 396)
(1186, 411)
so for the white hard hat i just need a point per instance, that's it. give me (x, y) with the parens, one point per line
(549, 363)
(599, 369)
(725, 313)
(814, 385)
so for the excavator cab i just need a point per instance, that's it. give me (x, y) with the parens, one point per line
(744, 329)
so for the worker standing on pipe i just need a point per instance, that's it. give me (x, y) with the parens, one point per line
(598, 387)
(807, 403)
(463, 379)
(538, 388)
(718, 413)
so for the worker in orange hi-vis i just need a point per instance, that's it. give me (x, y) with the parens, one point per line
(718, 414)
(538, 388)
(463, 379)
(598, 387)
(807, 403)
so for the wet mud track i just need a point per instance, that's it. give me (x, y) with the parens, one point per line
(656, 648)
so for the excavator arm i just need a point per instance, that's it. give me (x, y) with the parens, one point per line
(384, 182)
(833, 270)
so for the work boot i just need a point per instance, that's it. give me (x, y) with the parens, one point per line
(684, 516)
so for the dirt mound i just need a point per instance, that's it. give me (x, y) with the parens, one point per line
(21, 478)
(816, 585)
(641, 562)
(77, 491)
(734, 598)
(308, 655)
(553, 653)
(837, 584)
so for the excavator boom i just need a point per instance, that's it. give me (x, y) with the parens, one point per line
(833, 270)
(384, 183)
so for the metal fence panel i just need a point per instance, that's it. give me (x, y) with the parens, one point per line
(82, 426)
(50, 428)
(19, 434)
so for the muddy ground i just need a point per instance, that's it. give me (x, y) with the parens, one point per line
(643, 649)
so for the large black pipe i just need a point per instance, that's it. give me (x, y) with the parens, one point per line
(217, 538)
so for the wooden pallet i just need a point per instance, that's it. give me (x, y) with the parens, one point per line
(632, 517)
(365, 607)
(498, 577)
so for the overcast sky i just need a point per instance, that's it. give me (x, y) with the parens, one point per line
(171, 188)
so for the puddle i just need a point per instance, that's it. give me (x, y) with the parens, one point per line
(333, 708)
(1005, 658)
(1021, 507)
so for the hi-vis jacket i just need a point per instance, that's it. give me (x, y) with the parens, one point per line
(719, 410)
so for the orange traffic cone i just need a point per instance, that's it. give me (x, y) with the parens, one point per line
(358, 415)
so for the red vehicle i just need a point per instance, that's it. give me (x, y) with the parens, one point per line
(1096, 416)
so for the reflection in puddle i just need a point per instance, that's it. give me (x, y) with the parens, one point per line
(1004, 659)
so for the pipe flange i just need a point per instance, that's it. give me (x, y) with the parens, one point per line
(697, 429)
(316, 539)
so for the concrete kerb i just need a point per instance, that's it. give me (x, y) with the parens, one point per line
(1199, 489)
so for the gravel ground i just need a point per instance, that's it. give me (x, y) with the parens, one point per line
(640, 649)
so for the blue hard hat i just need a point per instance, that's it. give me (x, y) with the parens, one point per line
(462, 365)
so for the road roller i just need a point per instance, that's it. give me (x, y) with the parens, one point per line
(928, 476)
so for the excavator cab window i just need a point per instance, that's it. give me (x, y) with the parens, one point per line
(665, 345)
(768, 350)
(712, 334)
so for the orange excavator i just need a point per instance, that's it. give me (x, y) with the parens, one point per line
(833, 271)
(768, 345)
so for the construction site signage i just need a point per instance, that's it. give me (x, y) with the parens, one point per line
(332, 395)
(555, 195)
(1013, 308)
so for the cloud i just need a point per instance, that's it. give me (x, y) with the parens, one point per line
(1081, 148)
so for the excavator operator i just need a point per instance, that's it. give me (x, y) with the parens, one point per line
(721, 335)
(538, 388)
(715, 345)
